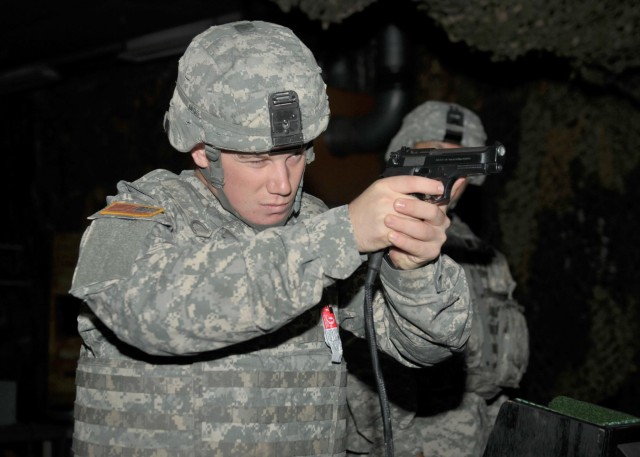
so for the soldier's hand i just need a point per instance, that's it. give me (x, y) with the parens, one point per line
(387, 215)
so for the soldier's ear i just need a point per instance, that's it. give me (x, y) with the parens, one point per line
(199, 155)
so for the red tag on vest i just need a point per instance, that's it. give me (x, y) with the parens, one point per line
(332, 334)
(328, 318)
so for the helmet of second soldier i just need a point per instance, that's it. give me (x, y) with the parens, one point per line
(440, 121)
(226, 83)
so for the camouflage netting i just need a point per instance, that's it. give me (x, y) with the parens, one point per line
(599, 39)
(326, 11)
(570, 227)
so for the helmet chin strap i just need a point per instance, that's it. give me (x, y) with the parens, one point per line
(214, 175)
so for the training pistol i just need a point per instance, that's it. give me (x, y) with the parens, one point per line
(446, 165)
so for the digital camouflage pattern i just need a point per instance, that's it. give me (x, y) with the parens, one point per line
(203, 337)
(448, 409)
(495, 358)
(428, 121)
(224, 80)
(202, 333)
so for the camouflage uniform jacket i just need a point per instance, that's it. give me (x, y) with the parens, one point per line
(203, 337)
(449, 409)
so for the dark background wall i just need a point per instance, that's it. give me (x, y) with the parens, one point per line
(564, 210)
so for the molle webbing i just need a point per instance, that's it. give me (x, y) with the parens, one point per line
(240, 449)
(210, 379)
(328, 446)
(227, 411)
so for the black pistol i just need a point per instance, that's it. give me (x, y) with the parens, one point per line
(446, 165)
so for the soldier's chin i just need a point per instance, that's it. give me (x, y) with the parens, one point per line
(273, 219)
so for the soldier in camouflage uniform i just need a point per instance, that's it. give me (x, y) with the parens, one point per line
(211, 297)
(448, 409)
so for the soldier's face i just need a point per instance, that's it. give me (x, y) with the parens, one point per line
(262, 187)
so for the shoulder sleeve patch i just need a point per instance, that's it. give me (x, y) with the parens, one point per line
(108, 250)
(131, 210)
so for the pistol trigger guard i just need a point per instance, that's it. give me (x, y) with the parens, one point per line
(440, 199)
(446, 195)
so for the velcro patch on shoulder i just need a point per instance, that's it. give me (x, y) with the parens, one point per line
(131, 210)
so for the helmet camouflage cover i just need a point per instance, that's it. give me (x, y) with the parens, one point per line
(440, 121)
(226, 79)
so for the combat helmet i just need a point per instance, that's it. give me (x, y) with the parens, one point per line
(246, 86)
(441, 121)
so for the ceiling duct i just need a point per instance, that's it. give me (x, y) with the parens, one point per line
(373, 131)
(165, 43)
(26, 78)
